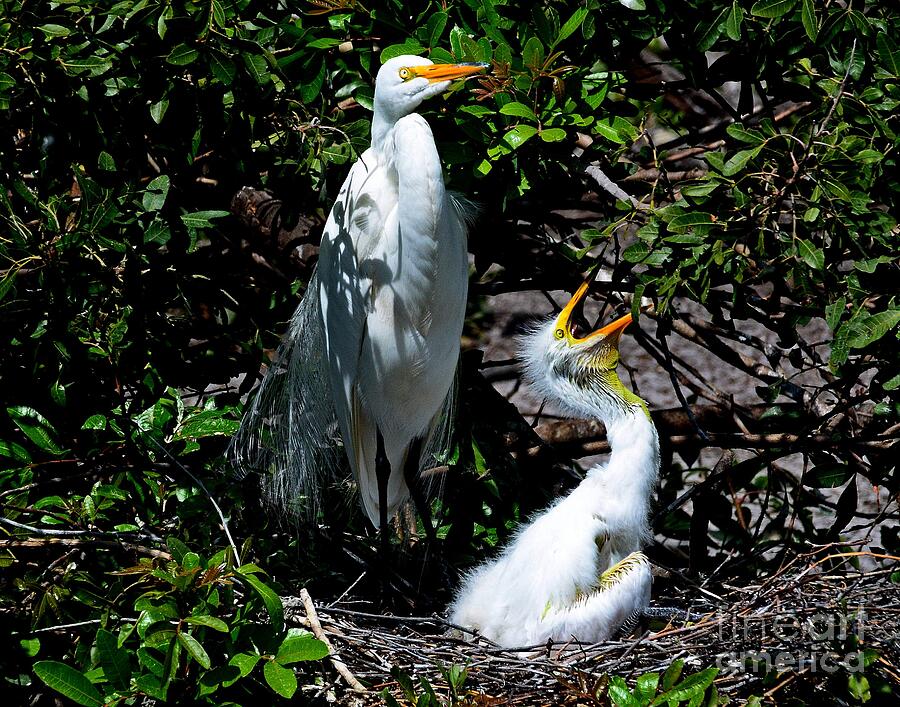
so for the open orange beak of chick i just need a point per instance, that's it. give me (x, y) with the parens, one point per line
(566, 326)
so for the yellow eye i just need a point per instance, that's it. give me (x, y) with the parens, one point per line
(559, 333)
(405, 73)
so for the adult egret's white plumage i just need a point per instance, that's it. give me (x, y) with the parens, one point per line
(372, 350)
(576, 570)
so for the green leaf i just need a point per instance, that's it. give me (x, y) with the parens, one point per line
(282, 680)
(810, 254)
(889, 53)
(36, 427)
(828, 476)
(69, 682)
(645, 688)
(435, 26)
(834, 312)
(182, 55)
(410, 46)
(553, 134)
(711, 32)
(222, 67)
(620, 694)
(158, 110)
(689, 220)
(573, 23)
(739, 160)
(808, 17)
(106, 162)
(13, 450)
(95, 422)
(55, 30)
(772, 8)
(739, 132)
(733, 21)
(518, 135)
(300, 646)
(271, 600)
(194, 649)
(533, 53)
(258, 68)
(201, 219)
(245, 662)
(519, 110)
(113, 660)
(155, 194)
(690, 687)
(210, 621)
(865, 330)
(92, 65)
(673, 672)
(30, 646)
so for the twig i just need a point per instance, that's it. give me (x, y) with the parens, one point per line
(316, 628)
(234, 549)
(610, 187)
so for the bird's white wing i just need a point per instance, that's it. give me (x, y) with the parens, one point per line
(353, 227)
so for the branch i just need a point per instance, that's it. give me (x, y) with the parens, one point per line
(610, 187)
(336, 661)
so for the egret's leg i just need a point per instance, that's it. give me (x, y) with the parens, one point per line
(420, 501)
(382, 475)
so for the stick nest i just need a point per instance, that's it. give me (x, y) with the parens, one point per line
(790, 634)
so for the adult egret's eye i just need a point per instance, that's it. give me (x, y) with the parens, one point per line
(405, 73)
(559, 333)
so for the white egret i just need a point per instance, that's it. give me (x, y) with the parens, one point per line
(575, 570)
(373, 348)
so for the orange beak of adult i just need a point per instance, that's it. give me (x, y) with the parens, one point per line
(612, 330)
(448, 72)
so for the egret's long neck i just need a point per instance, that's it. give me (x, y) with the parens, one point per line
(381, 127)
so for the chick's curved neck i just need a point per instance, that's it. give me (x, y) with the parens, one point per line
(631, 471)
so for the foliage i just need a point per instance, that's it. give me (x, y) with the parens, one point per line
(131, 300)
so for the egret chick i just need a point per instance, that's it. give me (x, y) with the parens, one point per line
(576, 570)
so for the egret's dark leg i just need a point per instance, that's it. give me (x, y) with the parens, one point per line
(411, 475)
(382, 474)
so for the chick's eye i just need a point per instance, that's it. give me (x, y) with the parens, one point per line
(404, 73)
(559, 333)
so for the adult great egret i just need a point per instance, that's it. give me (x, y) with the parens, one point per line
(576, 570)
(372, 350)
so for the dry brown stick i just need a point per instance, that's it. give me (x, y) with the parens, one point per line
(336, 661)
(44, 542)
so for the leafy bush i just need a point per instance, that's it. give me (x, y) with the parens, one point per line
(757, 141)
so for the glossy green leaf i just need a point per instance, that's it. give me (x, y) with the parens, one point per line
(156, 193)
(194, 649)
(282, 680)
(810, 254)
(808, 17)
(300, 646)
(182, 55)
(519, 110)
(518, 135)
(68, 682)
(772, 8)
(113, 660)
(572, 24)
(201, 219)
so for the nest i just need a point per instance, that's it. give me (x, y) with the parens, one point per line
(790, 633)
